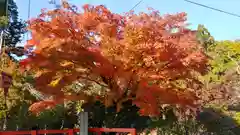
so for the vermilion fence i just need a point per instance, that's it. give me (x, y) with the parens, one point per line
(99, 131)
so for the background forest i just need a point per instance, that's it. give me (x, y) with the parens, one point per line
(142, 71)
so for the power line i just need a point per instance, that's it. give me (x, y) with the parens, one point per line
(219, 10)
(136, 5)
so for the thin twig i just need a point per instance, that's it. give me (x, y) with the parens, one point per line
(88, 79)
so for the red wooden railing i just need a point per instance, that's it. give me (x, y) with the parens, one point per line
(132, 131)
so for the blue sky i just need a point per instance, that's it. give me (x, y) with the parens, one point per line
(221, 26)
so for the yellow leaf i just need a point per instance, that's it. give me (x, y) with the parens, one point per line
(66, 63)
(55, 82)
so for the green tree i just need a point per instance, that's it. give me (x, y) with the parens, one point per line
(224, 61)
(223, 82)
(18, 97)
(204, 37)
(14, 31)
(3, 21)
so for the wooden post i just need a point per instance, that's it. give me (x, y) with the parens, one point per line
(33, 132)
(134, 132)
(71, 132)
(83, 123)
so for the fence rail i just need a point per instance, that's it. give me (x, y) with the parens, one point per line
(132, 131)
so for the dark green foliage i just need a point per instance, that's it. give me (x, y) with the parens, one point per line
(216, 121)
(19, 118)
(99, 116)
(14, 30)
(3, 7)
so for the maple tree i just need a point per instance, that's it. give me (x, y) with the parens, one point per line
(147, 58)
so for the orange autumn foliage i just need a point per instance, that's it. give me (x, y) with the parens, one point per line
(137, 56)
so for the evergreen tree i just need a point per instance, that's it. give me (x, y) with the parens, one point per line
(14, 31)
(204, 37)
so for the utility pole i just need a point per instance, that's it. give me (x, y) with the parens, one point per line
(29, 13)
(3, 13)
(29, 8)
(4, 77)
(1, 39)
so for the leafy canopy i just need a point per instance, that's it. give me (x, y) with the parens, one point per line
(14, 28)
(139, 57)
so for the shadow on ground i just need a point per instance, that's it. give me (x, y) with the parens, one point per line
(217, 122)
